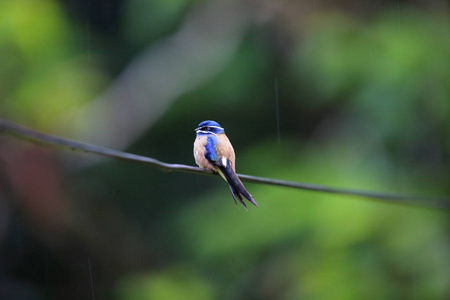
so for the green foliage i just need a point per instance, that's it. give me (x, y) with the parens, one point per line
(364, 104)
(393, 70)
(181, 282)
(323, 246)
(145, 19)
(42, 74)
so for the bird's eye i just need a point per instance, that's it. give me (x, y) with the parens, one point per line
(207, 129)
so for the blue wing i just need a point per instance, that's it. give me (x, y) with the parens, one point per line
(226, 171)
(210, 147)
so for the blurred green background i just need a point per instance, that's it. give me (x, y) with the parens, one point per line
(363, 93)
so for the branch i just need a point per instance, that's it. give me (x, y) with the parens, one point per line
(23, 132)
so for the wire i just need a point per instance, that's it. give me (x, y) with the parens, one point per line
(20, 131)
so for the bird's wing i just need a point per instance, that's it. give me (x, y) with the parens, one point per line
(225, 169)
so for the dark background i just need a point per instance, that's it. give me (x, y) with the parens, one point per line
(363, 98)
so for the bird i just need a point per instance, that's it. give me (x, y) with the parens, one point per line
(213, 151)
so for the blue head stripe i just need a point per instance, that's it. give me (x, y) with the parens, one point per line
(209, 123)
(209, 127)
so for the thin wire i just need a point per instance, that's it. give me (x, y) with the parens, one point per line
(17, 130)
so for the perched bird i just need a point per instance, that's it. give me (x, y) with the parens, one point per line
(213, 151)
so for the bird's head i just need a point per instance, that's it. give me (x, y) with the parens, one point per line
(209, 127)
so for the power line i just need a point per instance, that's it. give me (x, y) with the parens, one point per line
(23, 132)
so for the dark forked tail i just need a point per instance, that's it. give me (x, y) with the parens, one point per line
(235, 184)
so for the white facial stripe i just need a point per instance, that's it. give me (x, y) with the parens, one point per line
(218, 127)
(205, 132)
(209, 127)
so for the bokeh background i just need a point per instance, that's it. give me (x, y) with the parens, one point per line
(352, 94)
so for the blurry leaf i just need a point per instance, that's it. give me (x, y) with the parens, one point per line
(176, 283)
(149, 19)
(37, 28)
(42, 76)
(393, 69)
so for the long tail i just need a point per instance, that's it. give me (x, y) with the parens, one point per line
(236, 186)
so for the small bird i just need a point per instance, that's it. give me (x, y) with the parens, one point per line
(213, 151)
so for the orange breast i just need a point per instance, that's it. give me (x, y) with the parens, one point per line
(223, 149)
(199, 153)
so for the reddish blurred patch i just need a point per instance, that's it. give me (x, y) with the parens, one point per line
(33, 178)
